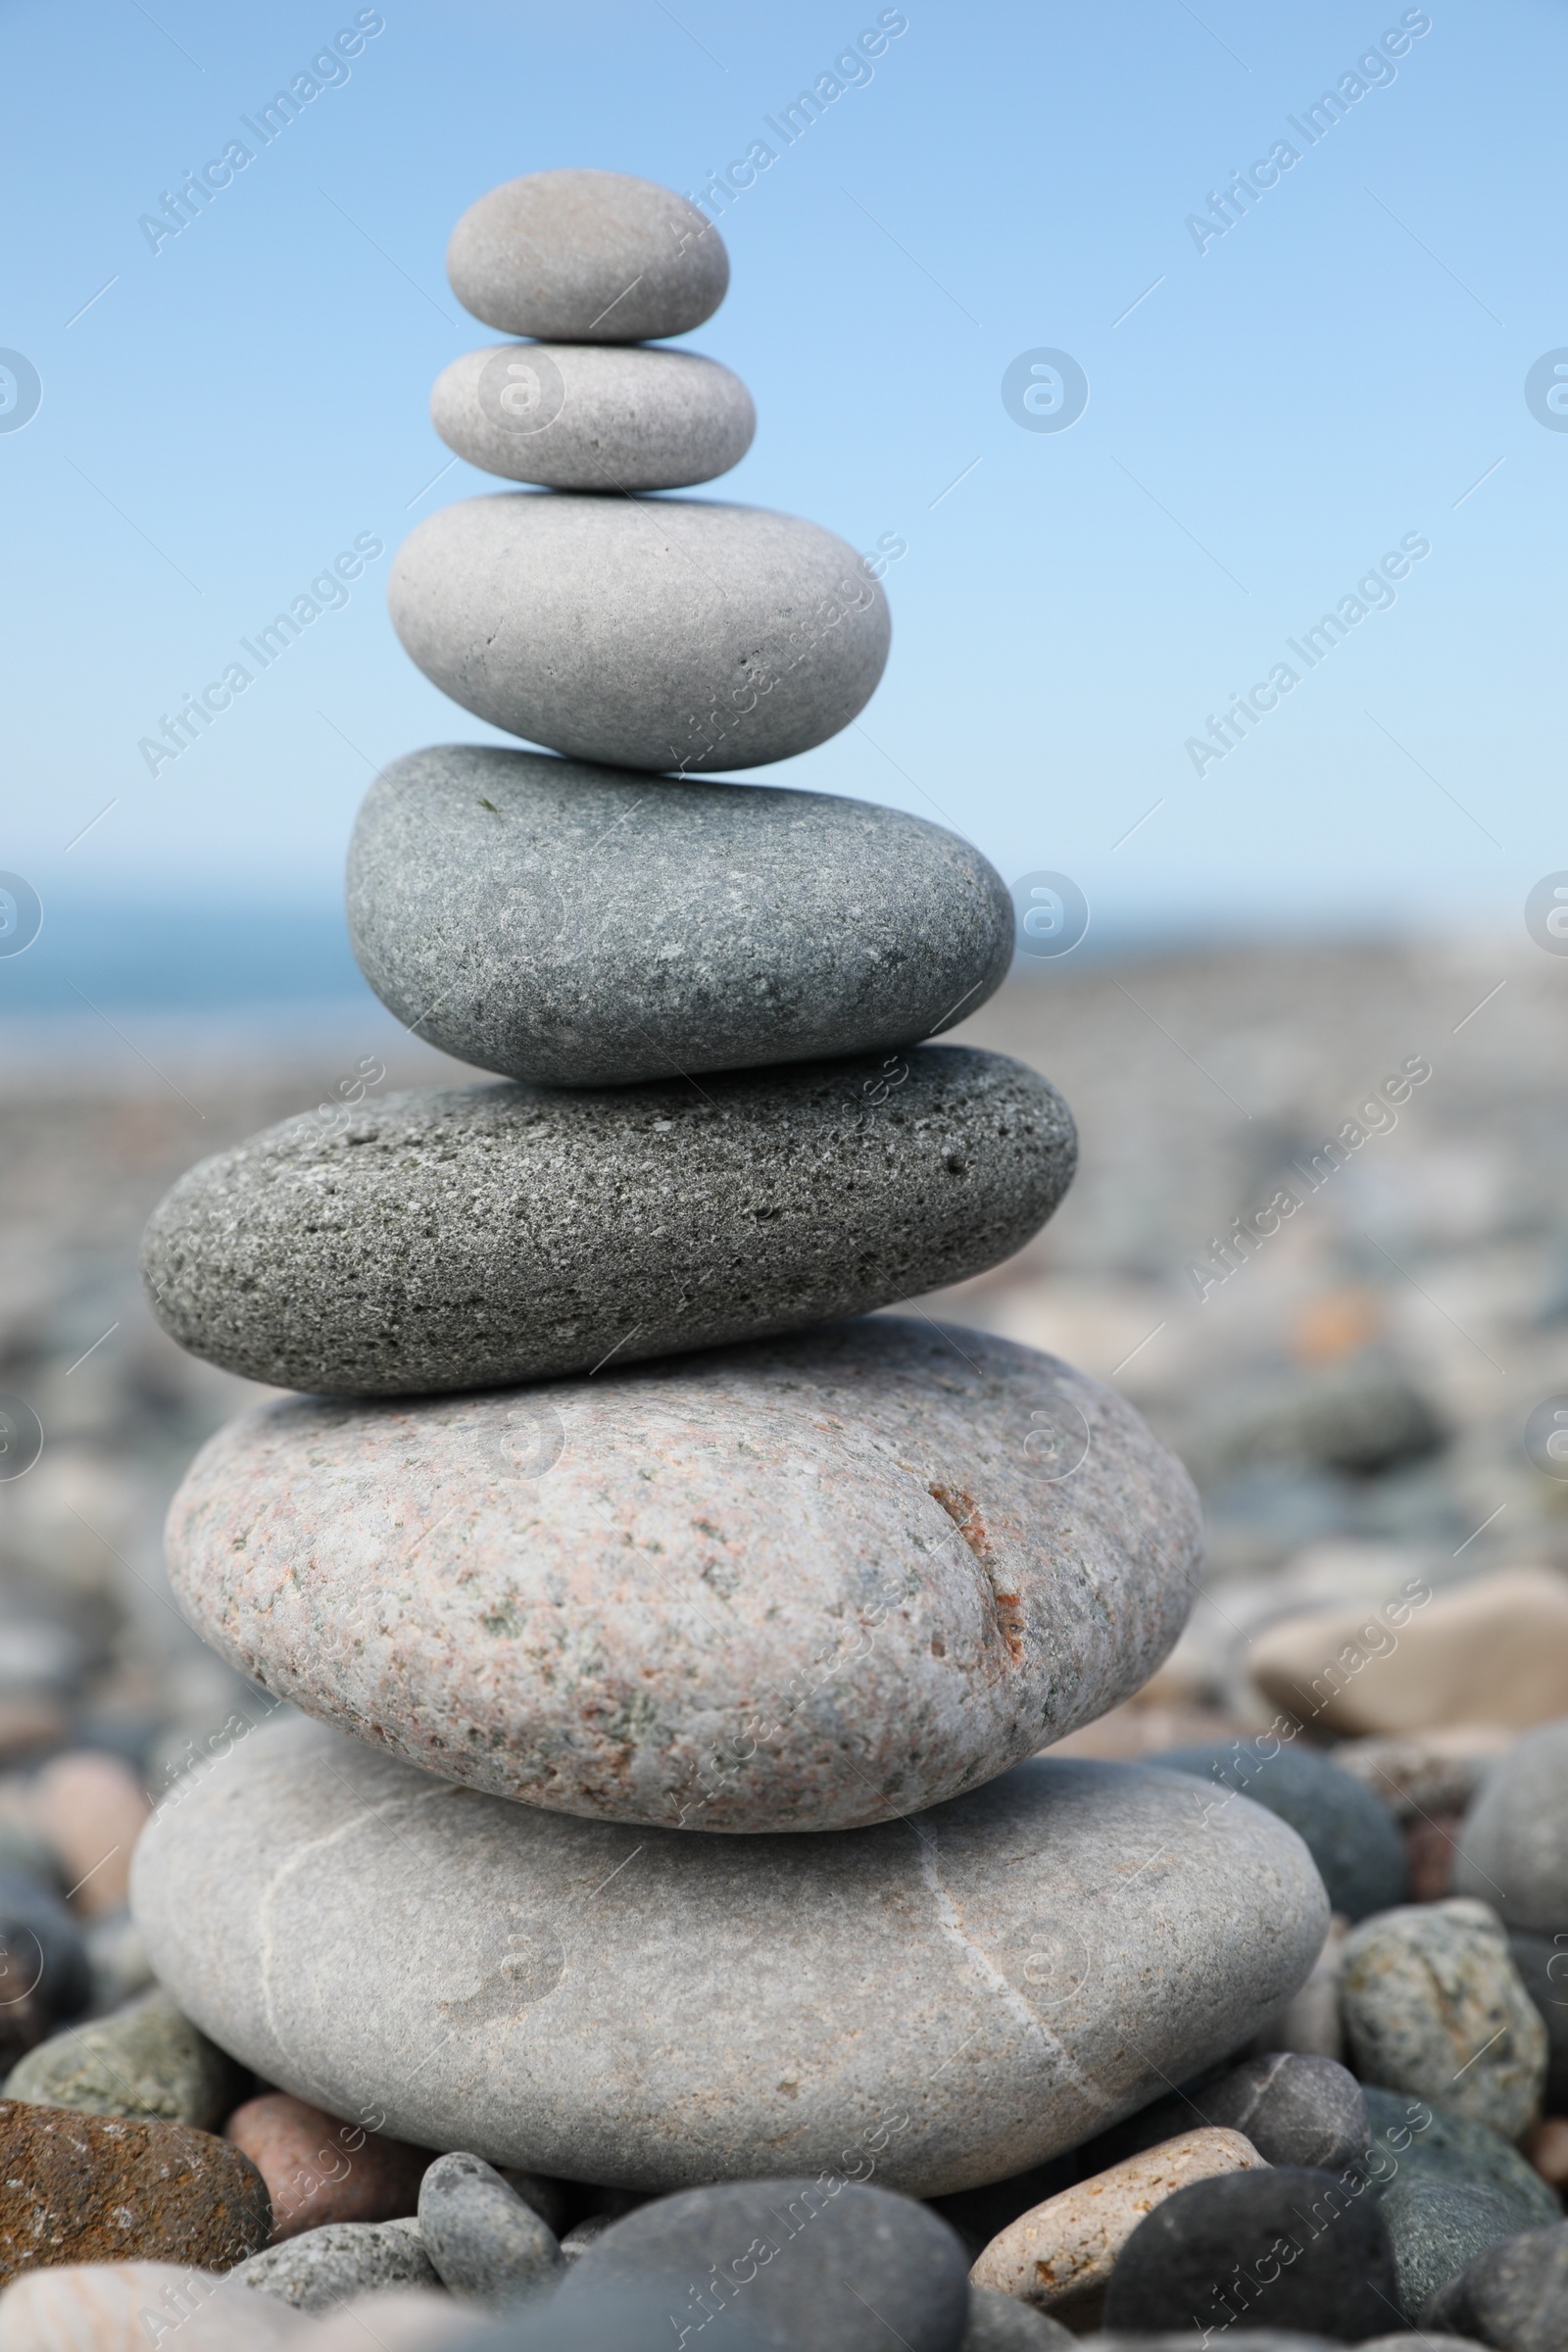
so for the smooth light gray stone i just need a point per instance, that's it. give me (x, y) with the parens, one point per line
(486, 2244)
(800, 1585)
(486, 1235)
(1001, 2323)
(594, 416)
(655, 2009)
(324, 2266)
(667, 633)
(146, 2060)
(580, 926)
(591, 257)
(1432, 2004)
(1513, 1847)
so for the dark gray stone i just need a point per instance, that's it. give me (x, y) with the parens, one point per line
(1542, 1965)
(1417, 2138)
(1436, 2227)
(591, 257)
(586, 416)
(489, 1235)
(46, 1979)
(582, 926)
(657, 2008)
(1295, 2110)
(649, 632)
(325, 2266)
(1513, 1846)
(1514, 2294)
(1001, 2323)
(1211, 2255)
(488, 2245)
(1350, 1837)
(804, 2263)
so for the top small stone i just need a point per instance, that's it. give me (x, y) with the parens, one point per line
(587, 257)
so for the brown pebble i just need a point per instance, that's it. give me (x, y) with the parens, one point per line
(318, 2169)
(1429, 1850)
(91, 1808)
(79, 2188)
(1547, 2146)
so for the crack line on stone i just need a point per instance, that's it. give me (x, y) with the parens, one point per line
(951, 1925)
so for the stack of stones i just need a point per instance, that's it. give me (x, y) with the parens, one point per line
(677, 1633)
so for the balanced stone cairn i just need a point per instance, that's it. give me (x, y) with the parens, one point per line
(678, 1634)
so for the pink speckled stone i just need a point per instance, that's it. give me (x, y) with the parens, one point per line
(801, 1585)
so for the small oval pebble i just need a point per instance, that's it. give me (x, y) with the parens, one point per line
(806, 2262)
(112, 2189)
(489, 1235)
(587, 417)
(324, 2266)
(578, 926)
(1295, 2110)
(649, 2007)
(794, 1586)
(486, 2244)
(593, 257)
(319, 2170)
(1433, 2005)
(654, 633)
(146, 2060)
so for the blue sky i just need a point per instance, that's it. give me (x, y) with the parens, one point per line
(1344, 369)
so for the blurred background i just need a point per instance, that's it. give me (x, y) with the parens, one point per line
(1248, 402)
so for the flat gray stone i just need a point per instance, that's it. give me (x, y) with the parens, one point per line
(488, 2245)
(667, 633)
(800, 1585)
(479, 1235)
(594, 416)
(947, 2002)
(1513, 1847)
(592, 257)
(582, 926)
(1432, 2004)
(324, 2267)
(145, 2060)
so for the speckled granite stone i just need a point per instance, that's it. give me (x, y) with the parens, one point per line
(582, 926)
(145, 2060)
(654, 633)
(930, 2006)
(1432, 2004)
(586, 416)
(463, 1239)
(799, 1585)
(593, 257)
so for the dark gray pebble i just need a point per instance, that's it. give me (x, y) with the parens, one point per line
(1287, 2248)
(1294, 2109)
(46, 1979)
(1416, 2139)
(1436, 2227)
(579, 926)
(487, 2244)
(1514, 2294)
(1352, 1837)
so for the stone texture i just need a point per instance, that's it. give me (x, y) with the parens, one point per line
(1421, 2138)
(1348, 1834)
(325, 2266)
(109, 2189)
(44, 1977)
(91, 1807)
(592, 257)
(1514, 2294)
(1436, 2227)
(1542, 1965)
(1060, 2255)
(803, 2262)
(1432, 2004)
(587, 417)
(1513, 1848)
(655, 633)
(321, 2170)
(1001, 2323)
(1305, 2111)
(145, 2060)
(132, 2306)
(481, 1236)
(1494, 1651)
(488, 2245)
(652, 2009)
(803, 1586)
(1280, 2248)
(580, 926)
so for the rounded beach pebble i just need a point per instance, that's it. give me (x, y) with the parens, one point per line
(110, 2188)
(1513, 1847)
(319, 2170)
(463, 1239)
(324, 2267)
(579, 926)
(145, 2060)
(487, 2244)
(592, 417)
(1432, 2004)
(798, 1586)
(591, 257)
(653, 2010)
(653, 634)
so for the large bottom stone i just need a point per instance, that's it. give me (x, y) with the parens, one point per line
(930, 2003)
